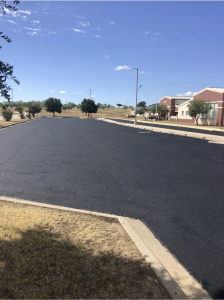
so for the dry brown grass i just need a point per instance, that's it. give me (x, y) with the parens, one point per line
(15, 121)
(48, 253)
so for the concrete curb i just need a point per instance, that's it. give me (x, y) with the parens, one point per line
(203, 136)
(176, 280)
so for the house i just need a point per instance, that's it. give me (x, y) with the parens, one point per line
(214, 96)
(172, 103)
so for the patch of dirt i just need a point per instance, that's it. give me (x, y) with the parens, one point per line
(49, 253)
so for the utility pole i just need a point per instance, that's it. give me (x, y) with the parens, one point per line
(12, 100)
(156, 99)
(136, 95)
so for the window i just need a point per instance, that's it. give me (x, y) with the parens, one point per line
(182, 113)
(186, 113)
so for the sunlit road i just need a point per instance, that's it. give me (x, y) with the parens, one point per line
(173, 184)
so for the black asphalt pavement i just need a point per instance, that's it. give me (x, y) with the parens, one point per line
(173, 184)
(159, 125)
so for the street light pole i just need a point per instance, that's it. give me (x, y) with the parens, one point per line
(156, 99)
(136, 95)
(12, 100)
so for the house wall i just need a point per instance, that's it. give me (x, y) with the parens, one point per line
(213, 97)
(168, 102)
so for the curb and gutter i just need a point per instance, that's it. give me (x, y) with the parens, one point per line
(204, 136)
(174, 277)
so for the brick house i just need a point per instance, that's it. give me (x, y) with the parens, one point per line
(173, 102)
(215, 96)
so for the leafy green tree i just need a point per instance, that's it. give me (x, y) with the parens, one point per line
(141, 104)
(143, 111)
(130, 106)
(162, 110)
(112, 106)
(71, 105)
(125, 107)
(34, 109)
(7, 114)
(6, 71)
(19, 107)
(119, 105)
(53, 105)
(197, 108)
(88, 106)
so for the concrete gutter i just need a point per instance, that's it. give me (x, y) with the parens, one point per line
(203, 136)
(174, 277)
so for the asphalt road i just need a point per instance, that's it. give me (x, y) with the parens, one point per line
(171, 127)
(173, 184)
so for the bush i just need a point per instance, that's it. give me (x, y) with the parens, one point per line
(22, 115)
(7, 114)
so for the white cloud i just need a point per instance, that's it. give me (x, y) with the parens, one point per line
(186, 84)
(62, 92)
(142, 72)
(79, 17)
(52, 91)
(97, 36)
(24, 18)
(35, 22)
(147, 32)
(35, 29)
(157, 33)
(111, 22)
(32, 33)
(187, 94)
(106, 56)
(50, 32)
(11, 22)
(77, 30)
(84, 23)
(21, 97)
(98, 28)
(24, 12)
(21, 89)
(93, 96)
(153, 38)
(122, 68)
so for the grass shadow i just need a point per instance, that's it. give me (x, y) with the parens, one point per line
(43, 264)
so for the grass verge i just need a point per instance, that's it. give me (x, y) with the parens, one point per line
(15, 121)
(48, 253)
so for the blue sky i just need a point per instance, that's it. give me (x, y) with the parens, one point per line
(62, 49)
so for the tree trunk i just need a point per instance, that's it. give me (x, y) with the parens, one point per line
(53, 114)
(88, 115)
(197, 121)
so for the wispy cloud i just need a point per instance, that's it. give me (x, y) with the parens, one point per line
(62, 92)
(118, 68)
(51, 32)
(79, 17)
(21, 89)
(35, 22)
(187, 94)
(52, 91)
(84, 23)
(97, 36)
(186, 84)
(11, 22)
(32, 33)
(142, 72)
(111, 22)
(158, 33)
(24, 12)
(34, 29)
(106, 56)
(147, 32)
(98, 28)
(77, 30)
(153, 38)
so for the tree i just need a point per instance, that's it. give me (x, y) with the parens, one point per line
(197, 108)
(130, 106)
(34, 109)
(88, 106)
(7, 114)
(53, 105)
(125, 107)
(6, 71)
(119, 105)
(161, 110)
(141, 104)
(143, 111)
(19, 107)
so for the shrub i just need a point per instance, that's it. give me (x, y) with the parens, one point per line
(7, 114)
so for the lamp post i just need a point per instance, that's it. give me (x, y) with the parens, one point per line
(136, 96)
(12, 100)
